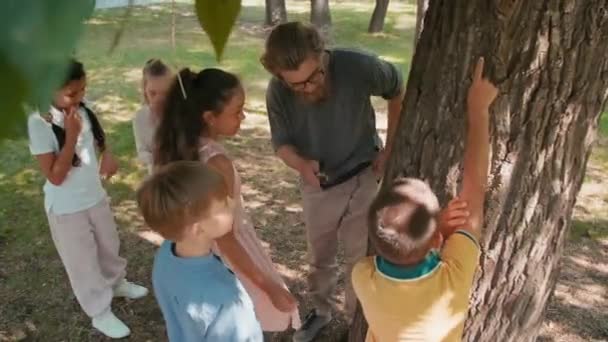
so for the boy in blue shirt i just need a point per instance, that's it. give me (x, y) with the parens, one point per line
(200, 298)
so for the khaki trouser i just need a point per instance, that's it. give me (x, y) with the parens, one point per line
(87, 243)
(338, 213)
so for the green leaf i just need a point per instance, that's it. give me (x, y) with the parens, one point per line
(14, 90)
(36, 39)
(217, 17)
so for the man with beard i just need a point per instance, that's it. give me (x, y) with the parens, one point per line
(323, 126)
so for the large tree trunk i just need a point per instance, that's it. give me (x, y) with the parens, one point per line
(276, 13)
(376, 23)
(421, 7)
(549, 59)
(319, 14)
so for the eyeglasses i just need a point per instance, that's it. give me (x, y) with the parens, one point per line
(314, 77)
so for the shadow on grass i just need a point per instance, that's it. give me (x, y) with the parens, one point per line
(577, 307)
(36, 296)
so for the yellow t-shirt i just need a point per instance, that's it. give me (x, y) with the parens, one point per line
(431, 307)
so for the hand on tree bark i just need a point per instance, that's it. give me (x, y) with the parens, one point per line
(482, 91)
(453, 217)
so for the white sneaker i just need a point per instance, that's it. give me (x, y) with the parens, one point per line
(110, 325)
(129, 290)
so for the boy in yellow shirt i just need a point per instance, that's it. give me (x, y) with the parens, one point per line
(411, 291)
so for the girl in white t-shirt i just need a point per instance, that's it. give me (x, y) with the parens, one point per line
(66, 141)
(156, 80)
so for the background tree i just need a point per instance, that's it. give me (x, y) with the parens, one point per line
(276, 12)
(376, 23)
(320, 15)
(549, 60)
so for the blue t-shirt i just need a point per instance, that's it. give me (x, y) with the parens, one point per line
(202, 300)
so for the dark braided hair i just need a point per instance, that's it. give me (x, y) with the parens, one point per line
(76, 72)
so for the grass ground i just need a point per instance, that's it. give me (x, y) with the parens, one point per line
(37, 304)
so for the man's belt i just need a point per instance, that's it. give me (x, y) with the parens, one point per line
(346, 176)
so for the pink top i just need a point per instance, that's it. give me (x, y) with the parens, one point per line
(270, 318)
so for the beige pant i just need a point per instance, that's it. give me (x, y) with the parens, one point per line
(336, 214)
(87, 243)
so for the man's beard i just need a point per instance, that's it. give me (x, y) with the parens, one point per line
(320, 94)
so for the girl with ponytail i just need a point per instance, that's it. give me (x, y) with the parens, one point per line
(200, 109)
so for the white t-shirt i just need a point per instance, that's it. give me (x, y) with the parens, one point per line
(82, 188)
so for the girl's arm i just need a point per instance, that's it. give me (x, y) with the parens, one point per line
(144, 152)
(108, 165)
(238, 257)
(55, 167)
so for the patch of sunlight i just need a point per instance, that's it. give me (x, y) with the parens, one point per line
(115, 108)
(585, 296)
(151, 237)
(289, 273)
(286, 185)
(97, 21)
(156, 7)
(265, 244)
(132, 75)
(590, 265)
(355, 6)
(293, 209)
(436, 323)
(248, 190)
(259, 83)
(393, 59)
(101, 74)
(252, 3)
(133, 179)
(256, 105)
(21, 178)
(256, 111)
(253, 204)
(405, 22)
(196, 50)
(402, 6)
(304, 268)
(267, 212)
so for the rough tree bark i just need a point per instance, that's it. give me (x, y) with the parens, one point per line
(421, 7)
(276, 12)
(319, 14)
(549, 59)
(376, 23)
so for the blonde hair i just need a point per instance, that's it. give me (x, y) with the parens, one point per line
(154, 67)
(397, 238)
(178, 195)
(289, 45)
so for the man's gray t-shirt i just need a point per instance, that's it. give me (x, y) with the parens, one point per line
(339, 132)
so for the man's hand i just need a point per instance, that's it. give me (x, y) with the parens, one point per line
(309, 171)
(380, 163)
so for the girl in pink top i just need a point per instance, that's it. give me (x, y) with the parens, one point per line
(200, 109)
